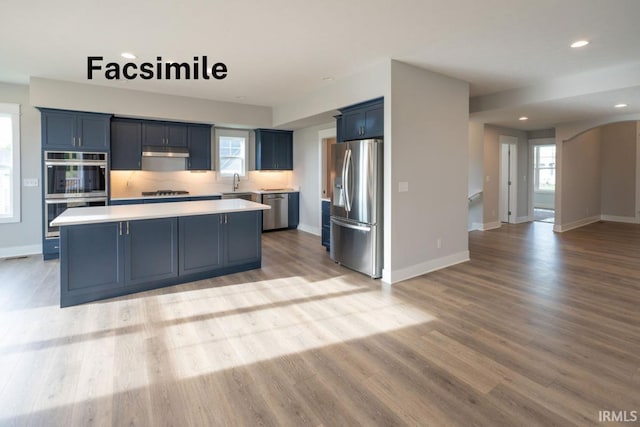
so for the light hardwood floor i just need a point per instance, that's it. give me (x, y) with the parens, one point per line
(537, 329)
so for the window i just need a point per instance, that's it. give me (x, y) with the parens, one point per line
(9, 162)
(545, 167)
(232, 152)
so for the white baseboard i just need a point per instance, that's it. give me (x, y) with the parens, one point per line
(425, 267)
(491, 225)
(614, 218)
(560, 228)
(475, 226)
(521, 219)
(545, 206)
(310, 229)
(13, 251)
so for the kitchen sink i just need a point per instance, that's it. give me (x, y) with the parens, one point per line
(247, 196)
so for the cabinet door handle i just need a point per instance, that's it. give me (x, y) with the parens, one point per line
(79, 142)
(127, 227)
(120, 229)
(226, 218)
(73, 141)
(220, 219)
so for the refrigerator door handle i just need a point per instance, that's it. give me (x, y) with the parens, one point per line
(349, 225)
(346, 169)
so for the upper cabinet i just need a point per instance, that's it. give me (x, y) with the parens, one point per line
(274, 149)
(76, 131)
(361, 121)
(128, 136)
(126, 144)
(199, 142)
(163, 133)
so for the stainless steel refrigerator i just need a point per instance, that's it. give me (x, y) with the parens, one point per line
(356, 207)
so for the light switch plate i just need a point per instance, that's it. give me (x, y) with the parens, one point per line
(403, 187)
(30, 182)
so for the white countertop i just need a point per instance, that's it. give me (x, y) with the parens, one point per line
(97, 214)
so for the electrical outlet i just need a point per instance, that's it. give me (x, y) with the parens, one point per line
(30, 182)
(403, 187)
(488, 178)
(439, 242)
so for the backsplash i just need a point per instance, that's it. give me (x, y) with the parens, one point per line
(133, 183)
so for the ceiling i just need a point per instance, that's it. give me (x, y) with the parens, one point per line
(278, 50)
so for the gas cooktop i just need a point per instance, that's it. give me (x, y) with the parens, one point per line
(165, 193)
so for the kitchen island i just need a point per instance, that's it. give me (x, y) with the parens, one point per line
(108, 251)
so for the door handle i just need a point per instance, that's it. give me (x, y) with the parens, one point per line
(349, 225)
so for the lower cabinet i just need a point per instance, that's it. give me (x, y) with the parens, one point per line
(200, 243)
(151, 250)
(294, 210)
(326, 224)
(109, 259)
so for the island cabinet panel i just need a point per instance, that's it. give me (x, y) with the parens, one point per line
(200, 244)
(151, 248)
(105, 260)
(93, 259)
(242, 238)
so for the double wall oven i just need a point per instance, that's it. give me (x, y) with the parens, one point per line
(73, 179)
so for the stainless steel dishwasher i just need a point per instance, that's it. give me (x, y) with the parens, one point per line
(278, 215)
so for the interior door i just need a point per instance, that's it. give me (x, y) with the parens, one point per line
(508, 199)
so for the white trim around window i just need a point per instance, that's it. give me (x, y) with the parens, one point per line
(236, 158)
(9, 163)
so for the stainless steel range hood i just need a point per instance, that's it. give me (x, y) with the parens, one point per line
(164, 158)
(164, 151)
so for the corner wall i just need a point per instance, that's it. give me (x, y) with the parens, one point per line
(618, 156)
(476, 175)
(429, 142)
(306, 151)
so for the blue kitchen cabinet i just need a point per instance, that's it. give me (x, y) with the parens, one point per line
(326, 224)
(199, 143)
(200, 244)
(294, 209)
(274, 149)
(126, 144)
(164, 133)
(242, 243)
(104, 260)
(339, 137)
(362, 121)
(92, 262)
(75, 131)
(151, 250)
(167, 200)
(199, 198)
(125, 202)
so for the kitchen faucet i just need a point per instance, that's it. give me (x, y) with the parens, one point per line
(236, 181)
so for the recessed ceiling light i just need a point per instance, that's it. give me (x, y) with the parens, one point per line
(620, 105)
(579, 43)
(128, 55)
(523, 118)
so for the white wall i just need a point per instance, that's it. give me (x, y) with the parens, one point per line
(476, 174)
(25, 237)
(133, 103)
(429, 144)
(618, 156)
(581, 181)
(306, 175)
